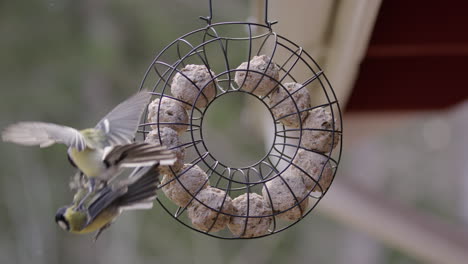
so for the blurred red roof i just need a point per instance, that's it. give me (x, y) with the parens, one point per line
(417, 58)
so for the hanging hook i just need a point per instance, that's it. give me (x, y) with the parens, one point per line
(208, 18)
(267, 22)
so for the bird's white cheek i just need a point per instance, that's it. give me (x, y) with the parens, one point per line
(62, 225)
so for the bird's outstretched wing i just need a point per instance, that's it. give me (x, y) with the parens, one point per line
(43, 135)
(120, 125)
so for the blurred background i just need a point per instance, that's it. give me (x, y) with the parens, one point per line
(399, 70)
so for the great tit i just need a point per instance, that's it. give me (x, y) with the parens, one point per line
(123, 156)
(102, 207)
(86, 148)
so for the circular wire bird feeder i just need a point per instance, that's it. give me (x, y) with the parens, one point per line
(272, 193)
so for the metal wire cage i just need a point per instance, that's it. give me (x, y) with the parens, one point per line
(284, 186)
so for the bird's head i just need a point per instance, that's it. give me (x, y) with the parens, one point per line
(61, 220)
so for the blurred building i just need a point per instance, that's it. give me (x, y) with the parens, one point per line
(399, 68)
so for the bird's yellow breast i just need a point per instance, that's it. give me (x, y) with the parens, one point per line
(107, 216)
(89, 161)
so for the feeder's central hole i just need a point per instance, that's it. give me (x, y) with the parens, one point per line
(238, 129)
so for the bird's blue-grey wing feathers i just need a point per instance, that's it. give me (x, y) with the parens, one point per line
(138, 192)
(103, 199)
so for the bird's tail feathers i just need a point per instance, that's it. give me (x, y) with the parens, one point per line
(141, 192)
(137, 206)
(139, 154)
